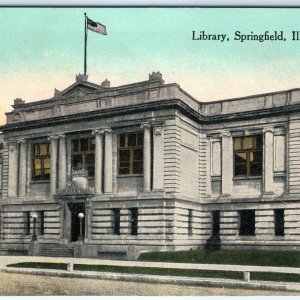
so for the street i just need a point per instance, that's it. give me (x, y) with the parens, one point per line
(32, 285)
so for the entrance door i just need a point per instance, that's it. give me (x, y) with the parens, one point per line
(76, 209)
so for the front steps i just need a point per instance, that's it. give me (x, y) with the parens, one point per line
(56, 250)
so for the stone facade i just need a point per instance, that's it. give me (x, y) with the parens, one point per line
(149, 168)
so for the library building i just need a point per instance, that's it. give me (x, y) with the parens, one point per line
(114, 171)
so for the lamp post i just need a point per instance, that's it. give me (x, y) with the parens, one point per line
(80, 216)
(34, 217)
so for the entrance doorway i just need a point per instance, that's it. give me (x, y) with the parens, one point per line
(75, 210)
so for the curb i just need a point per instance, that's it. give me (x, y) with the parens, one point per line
(190, 281)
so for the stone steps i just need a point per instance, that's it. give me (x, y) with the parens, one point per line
(56, 250)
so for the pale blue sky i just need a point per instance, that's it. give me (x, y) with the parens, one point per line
(42, 49)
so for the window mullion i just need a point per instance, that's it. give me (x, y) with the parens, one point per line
(131, 161)
(248, 162)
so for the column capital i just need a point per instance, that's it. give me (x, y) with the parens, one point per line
(107, 130)
(12, 146)
(145, 125)
(98, 132)
(53, 137)
(62, 136)
(21, 141)
(158, 126)
(225, 134)
(268, 129)
(157, 130)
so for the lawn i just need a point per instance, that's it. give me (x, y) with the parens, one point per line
(230, 257)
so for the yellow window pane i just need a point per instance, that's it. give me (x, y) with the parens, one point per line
(37, 172)
(248, 142)
(242, 155)
(43, 149)
(37, 164)
(237, 144)
(47, 163)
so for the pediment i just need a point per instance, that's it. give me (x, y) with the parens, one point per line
(78, 90)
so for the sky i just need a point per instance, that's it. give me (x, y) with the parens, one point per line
(43, 48)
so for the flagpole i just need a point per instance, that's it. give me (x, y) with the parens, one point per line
(85, 42)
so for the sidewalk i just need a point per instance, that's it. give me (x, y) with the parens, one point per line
(211, 282)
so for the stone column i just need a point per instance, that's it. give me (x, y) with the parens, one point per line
(29, 167)
(98, 160)
(158, 157)
(227, 164)
(108, 162)
(147, 157)
(62, 162)
(268, 161)
(53, 166)
(22, 167)
(13, 167)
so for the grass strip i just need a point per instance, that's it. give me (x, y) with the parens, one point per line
(266, 276)
(40, 265)
(231, 257)
(159, 271)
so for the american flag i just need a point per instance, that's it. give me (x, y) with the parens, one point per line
(95, 26)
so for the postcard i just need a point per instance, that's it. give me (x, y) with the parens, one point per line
(149, 151)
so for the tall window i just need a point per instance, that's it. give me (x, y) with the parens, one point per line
(116, 220)
(131, 153)
(134, 221)
(279, 222)
(248, 155)
(247, 222)
(83, 155)
(41, 162)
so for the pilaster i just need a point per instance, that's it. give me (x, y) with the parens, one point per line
(147, 157)
(268, 179)
(22, 167)
(227, 163)
(108, 161)
(62, 172)
(98, 160)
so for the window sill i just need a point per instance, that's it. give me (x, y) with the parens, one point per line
(247, 177)
(130, 175)
(39, 181)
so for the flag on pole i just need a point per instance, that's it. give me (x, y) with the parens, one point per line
(95, 26)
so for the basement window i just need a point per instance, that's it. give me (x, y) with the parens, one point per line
(134, 221)
(279, 222)
(190, 222)
(247, 222)
(116, 220)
